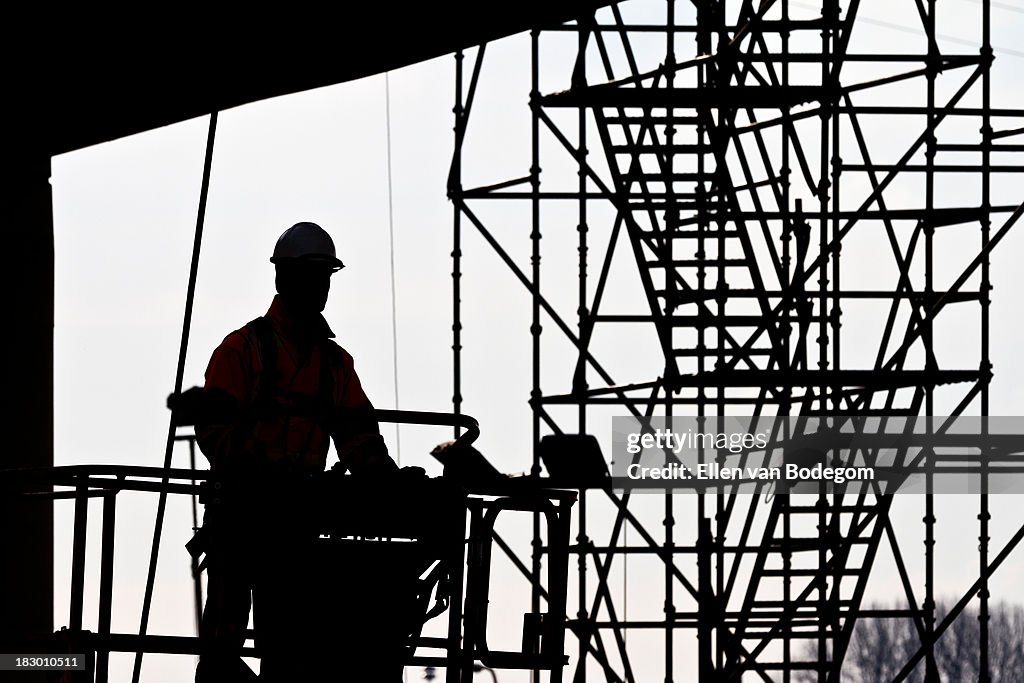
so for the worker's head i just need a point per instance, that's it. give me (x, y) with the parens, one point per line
(305, 260)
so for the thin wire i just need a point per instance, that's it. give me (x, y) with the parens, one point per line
(918, 31)
(394, 301)
(999, 5)
(946, 37)
(391, 247)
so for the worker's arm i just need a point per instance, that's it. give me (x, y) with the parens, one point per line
(225, 428)
(356, 433)
(361, 448)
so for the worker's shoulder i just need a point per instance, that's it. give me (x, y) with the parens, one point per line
(245, 336)
(337, 353)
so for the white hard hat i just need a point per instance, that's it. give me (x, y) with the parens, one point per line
(308, 242)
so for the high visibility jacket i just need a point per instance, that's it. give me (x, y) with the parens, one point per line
(289, 388)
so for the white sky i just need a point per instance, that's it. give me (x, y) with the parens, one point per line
(124, 221)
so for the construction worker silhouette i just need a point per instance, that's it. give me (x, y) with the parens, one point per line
(277, 390)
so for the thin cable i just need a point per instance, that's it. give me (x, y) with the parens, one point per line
(918, 31)
(999, 5)
(394, 305)
(391, 247)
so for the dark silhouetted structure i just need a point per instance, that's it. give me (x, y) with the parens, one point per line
(739, 166)
(107, 75)
(767, 177)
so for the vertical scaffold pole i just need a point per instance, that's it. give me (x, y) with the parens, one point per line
(535, 326)
(986, 364)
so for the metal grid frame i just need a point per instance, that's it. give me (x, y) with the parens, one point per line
(682, 143)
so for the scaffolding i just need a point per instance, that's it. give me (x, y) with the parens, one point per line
(737, 164)
(721, 139)
(406, 543)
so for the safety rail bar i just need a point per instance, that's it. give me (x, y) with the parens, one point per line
(83, 482)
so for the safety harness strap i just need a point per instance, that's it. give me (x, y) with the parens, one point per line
(319, 406)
